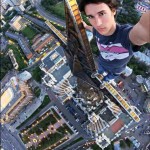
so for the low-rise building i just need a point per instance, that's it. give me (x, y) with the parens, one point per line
(142, 57)
(18, 23)
(147, 105)
(41, 42)
(22, 41)
(15, 95)
(142, 6)
(13, 59)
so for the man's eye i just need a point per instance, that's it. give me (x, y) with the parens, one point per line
(89, 17)
(101, 14)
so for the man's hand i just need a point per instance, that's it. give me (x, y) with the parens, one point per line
(87, 26)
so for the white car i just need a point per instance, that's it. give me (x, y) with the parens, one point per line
(135, 141)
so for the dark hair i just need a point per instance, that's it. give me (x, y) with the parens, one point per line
(113, 4)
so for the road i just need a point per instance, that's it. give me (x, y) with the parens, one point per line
(37, 115)
(68, 117)
(47, 15)
(137, 130)
(10, 141)
(134, 95)
(66, 114)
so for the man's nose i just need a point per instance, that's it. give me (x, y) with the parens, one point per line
(98, 21)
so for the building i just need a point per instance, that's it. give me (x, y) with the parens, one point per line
(13, 2)
(106, 118)
(58, 75)
(24, 76)
(15, 95)
(127, 72)
(41, 42)
(117, 145)
(18, 23)
(22, 42)
(16, 4)
(142, 6)
(13, 59)
(4, 6)
(145, 82)
(147, 105)
(142, 58)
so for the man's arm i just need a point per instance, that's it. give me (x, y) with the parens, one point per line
(140, 33)
(87, 26)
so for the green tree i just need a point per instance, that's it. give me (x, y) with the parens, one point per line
(37, 74)
(122, 144)
(48, 2)
(95, 147)
(130, 16)
(110, 147)
(5, 64)
(128, 142)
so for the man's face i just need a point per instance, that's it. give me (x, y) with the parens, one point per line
(101, 18)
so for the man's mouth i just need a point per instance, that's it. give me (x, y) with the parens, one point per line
(101, 29)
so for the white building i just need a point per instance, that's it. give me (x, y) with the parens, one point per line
(142, 57)
(16, 4)
(127, 72)
(58, 75)
(17, 23)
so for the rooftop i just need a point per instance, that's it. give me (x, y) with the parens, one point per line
(117, 126)
(59, 74)
(52, 58)
(107, 115)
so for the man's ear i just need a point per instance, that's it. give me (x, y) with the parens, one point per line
(114, 11)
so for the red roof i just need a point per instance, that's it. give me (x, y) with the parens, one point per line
(117, 126)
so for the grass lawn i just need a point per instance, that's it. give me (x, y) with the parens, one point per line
(46, 101)
(57, 9)
(51, 138)
(55, 113)
(37, 74)
(37, 91)
(19, 57)
(29, 32)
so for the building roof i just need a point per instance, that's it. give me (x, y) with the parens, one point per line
(22, 42)
(58, 74)
(51, 59)
(6, 97)
(117, 145)
(117, 126)
(107, 115)
(14, 94)
(142, 57)
(24, 76)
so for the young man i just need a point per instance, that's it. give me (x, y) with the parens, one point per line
(115, 42)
